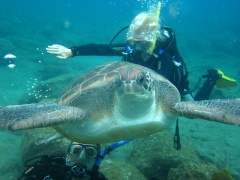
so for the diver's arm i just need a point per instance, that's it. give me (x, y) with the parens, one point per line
(98, 50)
(86, 50)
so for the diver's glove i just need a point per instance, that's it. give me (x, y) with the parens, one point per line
(61, 51)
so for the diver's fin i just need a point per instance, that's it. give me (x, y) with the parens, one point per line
(224, 81)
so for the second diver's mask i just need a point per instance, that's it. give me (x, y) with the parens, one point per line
(81, 158)
(76, 148)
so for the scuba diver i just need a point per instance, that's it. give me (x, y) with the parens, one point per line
(82, 161)
(154, 46)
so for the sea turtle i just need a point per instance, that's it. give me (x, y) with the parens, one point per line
(116, 101)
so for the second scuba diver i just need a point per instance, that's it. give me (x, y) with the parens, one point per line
(82, 161)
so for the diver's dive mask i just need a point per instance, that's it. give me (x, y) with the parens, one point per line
(76, 148)
(139, 44)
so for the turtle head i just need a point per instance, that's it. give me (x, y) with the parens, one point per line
(135, 91)
(134, 81)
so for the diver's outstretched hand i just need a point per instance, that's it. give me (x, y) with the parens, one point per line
(61, 51)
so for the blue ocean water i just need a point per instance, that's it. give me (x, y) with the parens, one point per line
(207, 35)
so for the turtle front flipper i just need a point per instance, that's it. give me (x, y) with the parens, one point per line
(38, 115)
(225, 111)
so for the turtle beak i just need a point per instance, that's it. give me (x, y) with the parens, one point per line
(131, 87)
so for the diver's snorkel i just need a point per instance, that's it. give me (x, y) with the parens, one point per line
(158, 12)
(104, 152)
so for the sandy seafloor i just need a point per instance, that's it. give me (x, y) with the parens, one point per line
(26, 33)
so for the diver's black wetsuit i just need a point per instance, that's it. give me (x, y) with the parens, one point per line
(165, 59)
(55, 168)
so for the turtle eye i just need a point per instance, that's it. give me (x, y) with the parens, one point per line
(141, 79)
(144, 79)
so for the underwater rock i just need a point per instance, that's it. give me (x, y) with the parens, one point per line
(32, 148)
(222, 175)
(120, 170)
(192, 170)
(156, 158)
